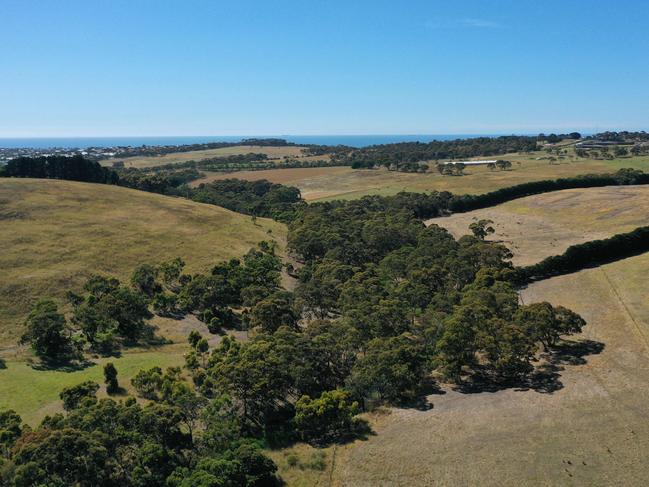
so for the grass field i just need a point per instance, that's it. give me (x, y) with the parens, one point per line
(34, 393)
(321, 184)
(57, 233)
(547, 224)
(176, 157)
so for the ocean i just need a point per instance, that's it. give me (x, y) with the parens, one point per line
(350, 140)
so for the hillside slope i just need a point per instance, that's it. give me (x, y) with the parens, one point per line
(56, 233)
(539, 226)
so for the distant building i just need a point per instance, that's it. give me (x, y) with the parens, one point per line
(597, 144)
(470, 163)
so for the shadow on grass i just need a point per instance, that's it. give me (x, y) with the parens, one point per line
(286, 437)
(120, 392)
(420, 402)
(3, 364)
(545, 378)
(63, 366)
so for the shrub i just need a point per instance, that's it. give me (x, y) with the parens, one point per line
(327, 418)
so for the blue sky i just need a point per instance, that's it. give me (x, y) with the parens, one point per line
(137, 67)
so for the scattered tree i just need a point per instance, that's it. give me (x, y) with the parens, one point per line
(110, 378)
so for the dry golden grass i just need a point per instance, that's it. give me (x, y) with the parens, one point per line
(300, 177)
(57, 233)
(176, 157)
(320, 184)
(547, 224)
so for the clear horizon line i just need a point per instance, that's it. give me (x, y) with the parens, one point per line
(507, 132)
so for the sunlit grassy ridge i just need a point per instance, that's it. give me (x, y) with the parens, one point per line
(57, 233)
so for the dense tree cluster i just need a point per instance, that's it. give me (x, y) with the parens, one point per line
(398, 154)
(258, 198)
(410, 293)
(75, 168)
(623, 136)
(179, 440)
(162, 181)
(554, 138)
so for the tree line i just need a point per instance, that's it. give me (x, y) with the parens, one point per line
(75, 168)
(159, 150)
(410, 152)
(588, 254)
(464, 203)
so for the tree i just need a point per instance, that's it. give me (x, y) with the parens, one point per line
(274, 311)
(10, 431)
(148, 382)
(326, 418)
(73, 396)
(144, 279)
(503, 165)
(193, 338)
(48, 333)
(391, 369)
(202, 347)
(546, 324)
(457, 346)
(621, 151)
(255, 374)
(171, 272)
(110, 378)
(507, 348)
(117, 309)
(482, 228)
(61, 457)
(165, 304)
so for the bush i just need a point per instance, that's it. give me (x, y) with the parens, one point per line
(72, 396)
(48, 333)
(327, 418)
(110, 378)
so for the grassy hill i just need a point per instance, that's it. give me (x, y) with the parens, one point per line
(56, 233)
(176, 157)
(539, 226)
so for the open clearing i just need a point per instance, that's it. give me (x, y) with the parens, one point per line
(538, 226)
(57, 233)
(176, 157)
(327, 183)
